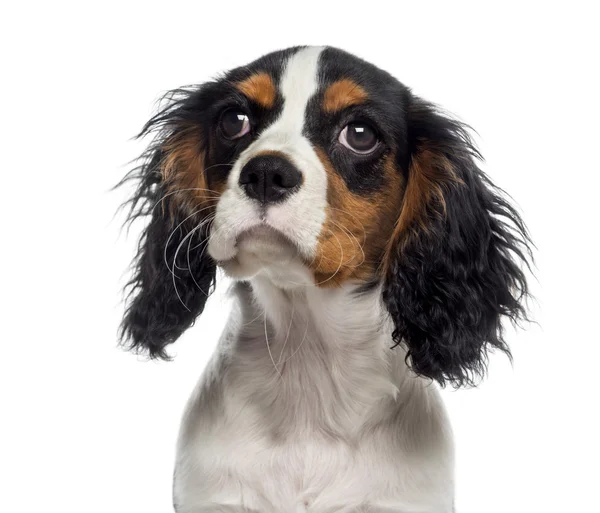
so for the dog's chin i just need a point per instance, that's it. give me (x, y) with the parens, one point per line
(264, 251)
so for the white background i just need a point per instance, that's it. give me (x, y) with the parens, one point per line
(86, 427)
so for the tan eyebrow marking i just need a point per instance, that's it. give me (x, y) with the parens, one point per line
(260, 88)
(342, 94)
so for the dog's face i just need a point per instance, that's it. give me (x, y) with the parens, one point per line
(315, 138)
(299, 157)
(315, 168)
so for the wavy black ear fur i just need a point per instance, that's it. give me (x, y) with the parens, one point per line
(172, 273)
(456, 265)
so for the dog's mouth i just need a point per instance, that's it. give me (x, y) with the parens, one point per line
(263, 240)
(264, 234)
(259, 248)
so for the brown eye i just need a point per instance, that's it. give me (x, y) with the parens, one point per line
(234, 124)
(359, 137)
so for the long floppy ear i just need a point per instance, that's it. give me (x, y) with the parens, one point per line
(172, 272)
(454, 265)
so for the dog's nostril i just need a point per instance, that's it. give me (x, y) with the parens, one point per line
(278, 180)
(247, 178)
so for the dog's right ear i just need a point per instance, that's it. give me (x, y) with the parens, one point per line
(172, 273)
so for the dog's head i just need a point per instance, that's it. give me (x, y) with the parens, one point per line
(314, 168)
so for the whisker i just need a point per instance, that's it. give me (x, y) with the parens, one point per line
(230, 164)
(189, 235)
(288, 331)
(188, 258)
(215, 197)
(179, 296)
(350, 234)
(341, 260)
(269, 348)
(250, 321)
(301, 344)
(209, 224)
(356, 218)
(195, 212)
(210, 218)
(173, 274)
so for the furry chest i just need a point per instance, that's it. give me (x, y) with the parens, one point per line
(303, 475)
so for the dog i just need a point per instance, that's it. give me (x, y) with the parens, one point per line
(371, 258)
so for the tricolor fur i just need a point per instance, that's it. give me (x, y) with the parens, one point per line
(375, 273)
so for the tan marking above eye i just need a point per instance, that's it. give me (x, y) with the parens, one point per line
(342, 94)
(259, 88)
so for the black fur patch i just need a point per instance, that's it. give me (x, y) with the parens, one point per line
(172, 274)
(448, 288)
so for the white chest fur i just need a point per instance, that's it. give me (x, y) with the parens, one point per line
(306, 408)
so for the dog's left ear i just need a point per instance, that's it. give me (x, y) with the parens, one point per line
(453, 267)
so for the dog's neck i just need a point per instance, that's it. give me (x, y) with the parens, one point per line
(316, 355)
(342, 316)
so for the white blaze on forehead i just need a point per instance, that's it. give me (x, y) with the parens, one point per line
(298, 85)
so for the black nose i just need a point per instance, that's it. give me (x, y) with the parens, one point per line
(269, 178)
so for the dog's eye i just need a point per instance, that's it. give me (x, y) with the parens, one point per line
(234, 124)
(359, 137)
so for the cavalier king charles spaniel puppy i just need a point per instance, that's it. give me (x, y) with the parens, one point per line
(370, 258)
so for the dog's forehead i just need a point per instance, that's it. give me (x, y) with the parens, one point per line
(286, 72)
